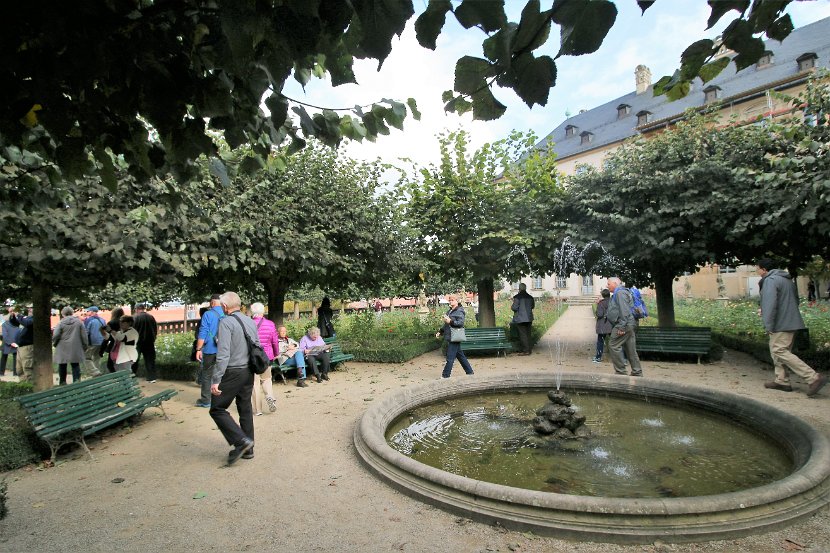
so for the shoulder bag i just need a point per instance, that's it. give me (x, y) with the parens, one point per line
(258, 361)
(457, 334)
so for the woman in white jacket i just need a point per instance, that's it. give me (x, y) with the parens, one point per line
(125, 350)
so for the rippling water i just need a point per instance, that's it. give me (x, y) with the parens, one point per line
(637, 448)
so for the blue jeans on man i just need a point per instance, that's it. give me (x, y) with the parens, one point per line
(297, 361)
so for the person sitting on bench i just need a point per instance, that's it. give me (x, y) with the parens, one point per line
(291, 356)
(316, 353)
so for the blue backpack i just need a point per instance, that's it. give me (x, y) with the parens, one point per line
(638, 309)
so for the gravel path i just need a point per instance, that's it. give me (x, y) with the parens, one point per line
(305, 490)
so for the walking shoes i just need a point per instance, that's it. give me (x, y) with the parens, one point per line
(817, 385)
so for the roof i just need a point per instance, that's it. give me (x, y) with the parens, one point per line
(607, 129)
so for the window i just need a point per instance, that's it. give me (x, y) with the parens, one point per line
(586, 137)
(537, 283)
(643, 117)
(806, 61)
(561, 281)
(712, 93)
(623, 110)
(570, 130)
(764, 60)
(515, 286)
(723, 269)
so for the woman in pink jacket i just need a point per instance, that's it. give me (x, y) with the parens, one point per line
(270, 343)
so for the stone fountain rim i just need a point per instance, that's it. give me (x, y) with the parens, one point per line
(803, 491)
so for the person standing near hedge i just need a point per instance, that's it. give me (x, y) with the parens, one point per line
(206, 348)
(93, 325)
(779, 311)
(147, 328)
(70, 341)
(125, 348)
(10, 333)
(24, 344)
(523, 304)
(453, 319)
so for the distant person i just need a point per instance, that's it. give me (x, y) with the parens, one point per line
(781, 318)
(811, 291)
(267, 333)
(206, 348)
(291, 356)
(147, 328)
(620, 316)
(523, 304)
(70, 341)
(454, 318)
(316, 353)
(324, 319)
(603, 327)
(232, 380)
(9, 333)
(25, 341)
(108, 332)
(378, 309)
(125, 350)
(93, 325)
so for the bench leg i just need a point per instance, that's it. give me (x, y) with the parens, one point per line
(77, 438)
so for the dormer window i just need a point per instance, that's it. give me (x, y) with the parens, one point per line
(712, 93)
(586, 137)
(764, 60)
(570, 130)
(643, 117)
(806, 61)
(623, 110)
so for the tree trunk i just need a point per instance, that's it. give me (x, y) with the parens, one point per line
(276, 301)
(391, 304)
(486, 305)
(44, 374)
(665, 299)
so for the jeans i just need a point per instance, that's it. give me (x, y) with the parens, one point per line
(3, 358)
(600, 346)
(149, 353)
(237, 385)
(76, 372)
(454, 352)
(297, 361)
(206, 376)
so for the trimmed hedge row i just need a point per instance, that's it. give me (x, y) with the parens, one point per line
(19, 445)
(818, 360)
(389, 351)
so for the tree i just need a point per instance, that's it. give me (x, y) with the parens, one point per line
(64, 237)
(145, 84)
(314, 223)
(474, 210)
(668, 203)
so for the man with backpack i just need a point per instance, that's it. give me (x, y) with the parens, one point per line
(621, 316)
(206, 347)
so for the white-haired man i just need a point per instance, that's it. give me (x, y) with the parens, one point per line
(622, 331)
(233, 380)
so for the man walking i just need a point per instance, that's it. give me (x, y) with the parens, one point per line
(206, 347)
(233, 380)
(93, 325)
(147, 328)
(779, 311)
(523, 304)
(622, 329)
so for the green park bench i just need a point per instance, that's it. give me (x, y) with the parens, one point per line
(336, 357)
(66, 414)
(487, 339)
(692, 340)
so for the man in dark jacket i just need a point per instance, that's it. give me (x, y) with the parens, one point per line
(523, 304)
(622, 331)
(603, 327)
(779, 311)
(25, 339)
(147, 328)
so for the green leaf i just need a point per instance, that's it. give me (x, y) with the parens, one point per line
(534, 28)
(200, 495)
(378, 23)
(489, 15)
(780, 28)
(250, 165)
(486, 107)
(413, 107)
(738, 37)
(429, 24)
(713, 69)
(678, 91)
(720, 7)
(645, 4)
(764, 14)
(534, 78)
(277, 104)
(498, 48)
(302, 75)
(220, 171)
(471, 74)
(584, 24)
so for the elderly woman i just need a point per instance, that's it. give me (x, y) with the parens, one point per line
(270, 344)
(453, 319)
(316, 353)
(109, 342)
(291, 356)
(125, 351)
(70, 341)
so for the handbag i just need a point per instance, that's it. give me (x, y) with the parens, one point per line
(457, 334)
(258, 361)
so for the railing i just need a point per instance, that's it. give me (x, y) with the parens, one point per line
(177, 327)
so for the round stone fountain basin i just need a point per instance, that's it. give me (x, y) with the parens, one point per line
(620, 520)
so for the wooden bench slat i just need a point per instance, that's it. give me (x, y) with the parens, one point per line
(487, 339)
(687, 340)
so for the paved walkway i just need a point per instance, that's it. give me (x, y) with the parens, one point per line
(571, 341)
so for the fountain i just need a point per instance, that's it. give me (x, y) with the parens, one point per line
(799, 493)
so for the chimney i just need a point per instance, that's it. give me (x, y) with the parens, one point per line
(642, 78)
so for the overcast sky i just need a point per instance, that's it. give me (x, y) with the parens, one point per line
(655, 39)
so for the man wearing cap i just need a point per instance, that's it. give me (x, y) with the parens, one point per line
(93, 325)
(145, 325)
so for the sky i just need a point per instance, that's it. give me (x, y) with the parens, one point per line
(655, 39)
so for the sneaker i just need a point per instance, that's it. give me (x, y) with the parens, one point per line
(200, 404)
(248, 454)
(302, 383)
(782, 387)
(817, 385)
(238, 451)
(151, 381)
(259, 414)
(595, 360)
(272, 403)
(325, 376)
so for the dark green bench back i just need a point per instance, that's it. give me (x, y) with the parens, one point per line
(336, 354)
(53, 410)
(478, 334)
(682, 339)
